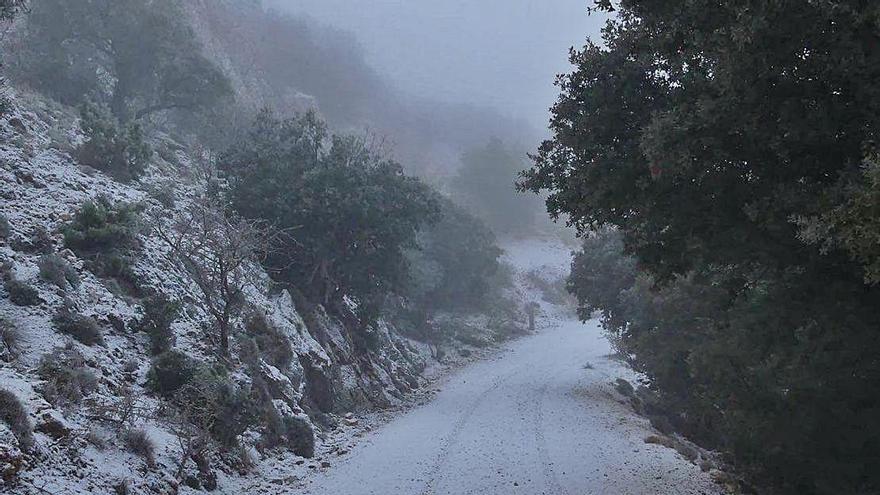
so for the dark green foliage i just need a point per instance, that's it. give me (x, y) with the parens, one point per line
(5, 228)
(349, 212)
(486, 185)
(106, 236)
(67, 379)
(170, 371)
(217, 404)
(81, 327)
(119, 150)
(13, 413)
(274, 347)
(55, 269)
(137, 57)
(21, 293)
(718, 137)
(159, 313)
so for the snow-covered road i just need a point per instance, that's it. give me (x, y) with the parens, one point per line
(532, 420)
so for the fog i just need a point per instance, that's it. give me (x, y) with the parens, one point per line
(504, 54)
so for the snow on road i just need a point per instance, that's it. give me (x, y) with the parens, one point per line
(531, 420)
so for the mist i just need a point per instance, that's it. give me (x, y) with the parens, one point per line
(502, 54)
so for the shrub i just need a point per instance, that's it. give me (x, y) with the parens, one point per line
(82, 328)
(216, 404)
(138, 442)
(55, 269)
(273, 345)
(5, 228)
(170, 371)
(159, 313)
(67, 378)
(102, 227)
(22, 294)
(120, 151)
(295, 432)
(106, 235)
(9, 339)
(13, 413)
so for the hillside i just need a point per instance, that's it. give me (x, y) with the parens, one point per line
(88, 403)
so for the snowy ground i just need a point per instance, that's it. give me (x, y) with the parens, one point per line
(534, 419)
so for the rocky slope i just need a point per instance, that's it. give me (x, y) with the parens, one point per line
(83, 446)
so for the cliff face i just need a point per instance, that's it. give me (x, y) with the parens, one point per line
(78, 447)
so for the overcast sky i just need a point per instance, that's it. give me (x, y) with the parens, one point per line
(501, 53)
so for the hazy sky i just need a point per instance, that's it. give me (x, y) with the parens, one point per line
(501, 53)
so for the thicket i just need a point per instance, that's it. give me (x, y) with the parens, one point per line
(347, 213)
(455, 268)
(118, 149)
(159, 314)
(106, 236)
(726, 144)
(67, 379)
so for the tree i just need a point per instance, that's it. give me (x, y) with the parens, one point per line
(486, 184)
(350, 212)
(214, 249)
(457, 263)
(717, 138)
(139, 57)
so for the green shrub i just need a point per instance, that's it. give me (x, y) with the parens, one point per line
(170, 371)
(82, 328)
(13, 413)
(106, 236)
(272, 344)
(159, 313)
(22, 294)
(217, 404)
(294, 432)
(120, 151)
(67, 379)
(56, 270)
(102, 227)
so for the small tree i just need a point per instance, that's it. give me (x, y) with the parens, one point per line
(214, 249)
(119, 150)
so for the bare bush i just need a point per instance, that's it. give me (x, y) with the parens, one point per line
(214, 249)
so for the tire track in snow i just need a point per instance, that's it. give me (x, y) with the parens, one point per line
(543, 453)
(434, 474)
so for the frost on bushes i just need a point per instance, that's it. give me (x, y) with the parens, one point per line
(272, 345)
(213, 402)
(159, 313)
(67, 378)
(105, 235)
(39, 241)
(21, 293)
(119, 150)
(169, 372)
(9, 340)
(203, 396)
(81, 327)
(13, 413)
(138, 442)
(56, 270)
